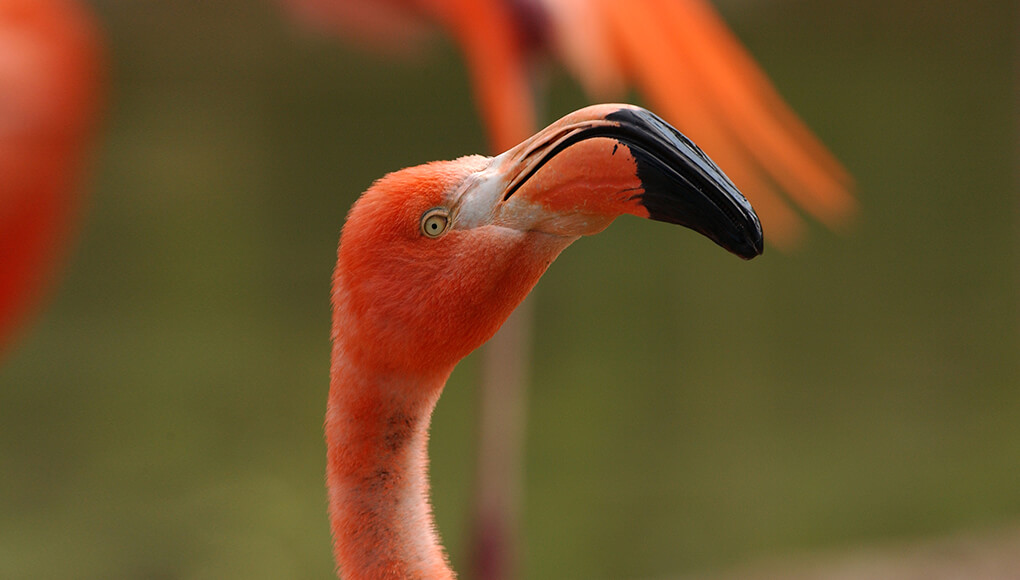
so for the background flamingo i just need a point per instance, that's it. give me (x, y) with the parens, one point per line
(49, 98)
(679, 54)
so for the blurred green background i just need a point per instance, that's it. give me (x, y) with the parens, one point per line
(689, 411)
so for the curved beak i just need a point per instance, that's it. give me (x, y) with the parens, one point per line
(576, 176)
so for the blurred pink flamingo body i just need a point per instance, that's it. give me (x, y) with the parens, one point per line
(49, 93)
(678, 53)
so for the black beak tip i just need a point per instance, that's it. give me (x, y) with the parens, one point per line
(754, 241)
(681, 185)
(744, 240)
(754, 244)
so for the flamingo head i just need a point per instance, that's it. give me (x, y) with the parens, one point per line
(434, 258)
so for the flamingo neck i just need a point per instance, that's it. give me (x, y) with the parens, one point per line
(376, 439)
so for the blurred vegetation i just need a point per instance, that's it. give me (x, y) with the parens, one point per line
(689, 411)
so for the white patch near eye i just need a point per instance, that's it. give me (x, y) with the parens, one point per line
(476, 201)
(435, 221)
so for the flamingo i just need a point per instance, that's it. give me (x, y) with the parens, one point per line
(679, 55)
(50, 70)
(433, 259)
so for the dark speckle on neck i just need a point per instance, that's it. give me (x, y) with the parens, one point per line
(399, 430)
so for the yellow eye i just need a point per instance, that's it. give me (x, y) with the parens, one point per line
(434, 222)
